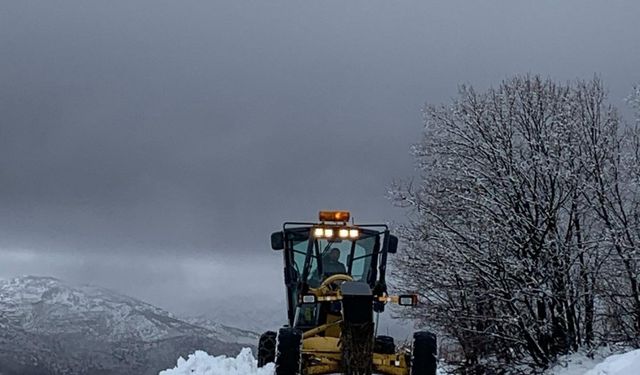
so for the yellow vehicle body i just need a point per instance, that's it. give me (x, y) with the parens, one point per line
(331, 303)
(323, 355)
(321, 346)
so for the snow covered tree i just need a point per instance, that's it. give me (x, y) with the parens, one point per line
(515, 217)
(617, 203)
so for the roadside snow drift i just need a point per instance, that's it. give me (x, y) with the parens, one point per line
(620, 364)
(201, 363)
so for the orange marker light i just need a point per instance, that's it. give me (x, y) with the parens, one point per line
(334, 216)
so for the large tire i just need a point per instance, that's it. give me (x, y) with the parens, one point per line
(424, 354)
(267, 348)
(384, 345)
(289, 352)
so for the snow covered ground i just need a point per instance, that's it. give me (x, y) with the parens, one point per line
(620, 364)
(201, 363)
(603, 364)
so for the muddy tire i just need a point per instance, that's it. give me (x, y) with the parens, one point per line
(267, 348)
(289, 351)
(424, 354)
(384, 345)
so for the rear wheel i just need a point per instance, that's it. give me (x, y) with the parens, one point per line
(423, 356)
(384, 345)
(289, 351)
(266, 348)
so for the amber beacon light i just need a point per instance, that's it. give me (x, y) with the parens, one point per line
(342, 216)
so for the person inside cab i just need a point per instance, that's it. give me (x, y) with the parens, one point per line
(331, 264)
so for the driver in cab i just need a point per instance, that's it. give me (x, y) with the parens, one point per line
(331, 263)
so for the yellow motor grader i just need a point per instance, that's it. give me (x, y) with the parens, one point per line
(334, 272)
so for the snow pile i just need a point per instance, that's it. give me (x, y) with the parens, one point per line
(599, 362)
(201, 363)
(620, 364)
(575, 364)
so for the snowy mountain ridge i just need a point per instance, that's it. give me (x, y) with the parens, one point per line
(224, 332)
(46, 305)
(47, 325)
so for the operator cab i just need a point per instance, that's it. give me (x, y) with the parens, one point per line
(315, 251)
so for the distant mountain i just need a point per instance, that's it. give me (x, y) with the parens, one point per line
(226, 333)
(270, 316)
(49, 327)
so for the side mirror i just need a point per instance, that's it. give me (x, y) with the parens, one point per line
(393, 244)
(277, 240)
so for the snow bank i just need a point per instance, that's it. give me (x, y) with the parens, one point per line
(620, 364)
(578, 363)
(201, 363)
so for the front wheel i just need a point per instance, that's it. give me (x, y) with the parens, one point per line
(289, 351)
(266, 348)
(424, 354)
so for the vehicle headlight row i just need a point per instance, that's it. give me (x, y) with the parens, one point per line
(321, 232)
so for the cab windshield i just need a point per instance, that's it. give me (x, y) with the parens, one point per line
(314, 259)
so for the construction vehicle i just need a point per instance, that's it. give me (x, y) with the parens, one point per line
(334, 272)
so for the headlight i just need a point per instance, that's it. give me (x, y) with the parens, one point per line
(309, 298)
(408, 300)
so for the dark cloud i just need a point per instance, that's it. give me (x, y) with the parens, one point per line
(187, 128)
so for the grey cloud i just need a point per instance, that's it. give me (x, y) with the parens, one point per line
(188, 128)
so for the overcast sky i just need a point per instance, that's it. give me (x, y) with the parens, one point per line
(153, 146)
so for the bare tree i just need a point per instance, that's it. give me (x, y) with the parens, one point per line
(617, 175)
(514, 218)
